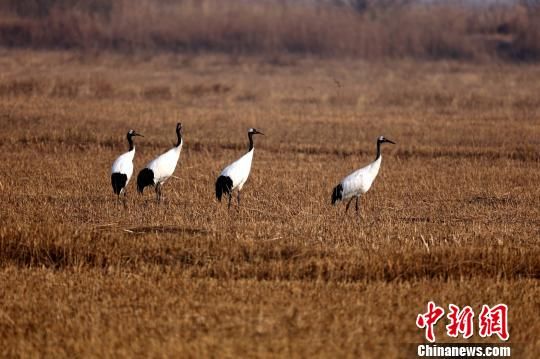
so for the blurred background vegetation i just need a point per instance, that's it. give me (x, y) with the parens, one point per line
(368, 29)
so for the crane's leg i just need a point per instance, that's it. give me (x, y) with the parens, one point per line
(230, 198)
(357, 208)
(158, 192)
(125, 198)
(348, 204)
(238, 198)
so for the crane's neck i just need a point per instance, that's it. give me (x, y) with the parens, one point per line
(178, 137)
(130, 141)
(250, 136)
(378, 150)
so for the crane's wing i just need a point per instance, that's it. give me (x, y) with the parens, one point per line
(124, 164)
(238, 171)
(164, 165)
(356, 183)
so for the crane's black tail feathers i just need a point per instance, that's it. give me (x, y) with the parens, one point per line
(223, 185)
(145, 178)
(337, 194)
(118, 181)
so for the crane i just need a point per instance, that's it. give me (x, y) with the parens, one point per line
(157, 171)
(235, 175)
(360, 181)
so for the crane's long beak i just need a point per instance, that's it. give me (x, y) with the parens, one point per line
(260, 133)
(138, 134)
(392, 142)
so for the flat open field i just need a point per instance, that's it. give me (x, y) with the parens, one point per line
(454, 215)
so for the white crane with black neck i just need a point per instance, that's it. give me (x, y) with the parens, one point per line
(360, 181)
(157, 171)
(122, 167)
(235, 175)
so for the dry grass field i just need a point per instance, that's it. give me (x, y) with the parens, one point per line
(454, 215)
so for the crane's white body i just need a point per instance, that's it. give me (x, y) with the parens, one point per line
(124, 165)
(164, 165)
(234, 176)
(360, 181)
(238, 171)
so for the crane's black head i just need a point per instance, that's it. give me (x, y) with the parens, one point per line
(179, 128)
(254, 131)
(132, 133)
(383, 139)
(251, 132)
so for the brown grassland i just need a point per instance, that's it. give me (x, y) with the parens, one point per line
(454, 215)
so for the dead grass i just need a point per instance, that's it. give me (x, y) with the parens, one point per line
(387, 29)
(453, 216)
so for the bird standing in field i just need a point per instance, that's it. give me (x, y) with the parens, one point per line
(122, 167)
(359, 182)
(235, 175)
(161, 168)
